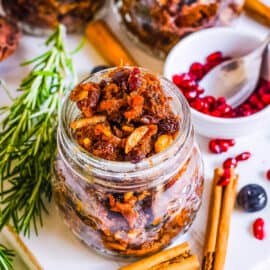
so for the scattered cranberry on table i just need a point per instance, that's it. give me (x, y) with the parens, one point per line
(188, 83)
(225, 178)
(268, 175)
(258, 229)
(231, 163)
(218, 146)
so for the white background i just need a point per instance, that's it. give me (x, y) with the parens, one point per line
(56, 248)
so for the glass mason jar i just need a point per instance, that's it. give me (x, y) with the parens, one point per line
(40, 17)
(161, 24)
(159, 196)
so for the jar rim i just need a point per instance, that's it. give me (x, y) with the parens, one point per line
(116, 168)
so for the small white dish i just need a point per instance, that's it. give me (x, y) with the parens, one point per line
(195, 48)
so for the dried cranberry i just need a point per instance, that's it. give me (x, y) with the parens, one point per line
(168, 125)
(258, 229)
(134, 79)
(243, 156)
(268, 175)
(121, 75)
(230, 163)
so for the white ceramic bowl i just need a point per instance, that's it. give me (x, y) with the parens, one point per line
(195, 48)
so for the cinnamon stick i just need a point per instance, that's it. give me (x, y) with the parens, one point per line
(190, 263)
(258, 11)
(159, 258)
(213, 220)
(224, 224)
(108, 45)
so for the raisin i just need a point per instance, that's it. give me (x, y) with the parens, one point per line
(168, 125)
(135, 156)
(120, 76)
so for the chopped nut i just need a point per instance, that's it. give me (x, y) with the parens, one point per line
(86, 142)
(135, 137)
(103, 129)
(87, 121)
(163, 142)
(127, 128)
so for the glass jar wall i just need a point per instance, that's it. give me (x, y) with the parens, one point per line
(41, 16)
(126, 209)
(161, 24)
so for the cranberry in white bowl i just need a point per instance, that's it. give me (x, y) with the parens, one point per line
(216, 45)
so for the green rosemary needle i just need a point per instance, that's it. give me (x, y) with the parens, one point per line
(28, 137)
(6, 258)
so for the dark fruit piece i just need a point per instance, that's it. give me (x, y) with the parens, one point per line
(98, 68)
(252, 198)
(258, 229)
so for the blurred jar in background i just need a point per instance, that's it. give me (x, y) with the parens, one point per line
(160, 24)
(39, 17)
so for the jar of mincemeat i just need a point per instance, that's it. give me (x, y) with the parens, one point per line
(158, 25)
(122, 208)
(40, 17)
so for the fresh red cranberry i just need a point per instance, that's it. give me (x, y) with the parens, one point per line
(230, 163)
(198, 104)
(225, 178)
(215, 113)
(224, 108)
(183, 80)
(265, 99)
(243, 156)
(224, 145)
(214, 147)
(231, 142)
(215, 57)
(268, 175)
(191, 94)
(197, 70)
(258, 229)
(221, 100)
(210, 99)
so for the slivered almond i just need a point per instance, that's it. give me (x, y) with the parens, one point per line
(135, 137)
(78, 94)
(87, 121)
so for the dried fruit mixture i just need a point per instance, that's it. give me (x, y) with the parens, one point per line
(160, 24)
(125, 117)
(49, 13)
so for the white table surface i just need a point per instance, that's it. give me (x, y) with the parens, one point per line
(56, 248)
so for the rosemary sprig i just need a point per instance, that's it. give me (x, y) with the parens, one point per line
(6, 258)
(28, 137)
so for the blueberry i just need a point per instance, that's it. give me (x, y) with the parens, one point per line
(252, 198)
(98, 68)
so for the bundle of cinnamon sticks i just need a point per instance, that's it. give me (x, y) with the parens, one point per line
(176, 258)
(258, 11)
(220, 210)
